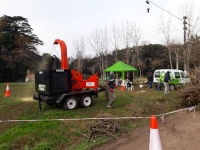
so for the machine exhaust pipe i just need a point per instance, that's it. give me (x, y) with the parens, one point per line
(63, 47)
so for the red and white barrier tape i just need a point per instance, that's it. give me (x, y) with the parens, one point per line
(189, 108)
(76, 119)
(111, 118)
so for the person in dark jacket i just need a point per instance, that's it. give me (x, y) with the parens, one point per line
(131, 77)
(150, 79)
(167, 79)
(110, 85)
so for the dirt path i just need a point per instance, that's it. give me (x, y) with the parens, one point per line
(179, 132)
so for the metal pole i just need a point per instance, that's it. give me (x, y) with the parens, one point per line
(185, 53)
(39, 102)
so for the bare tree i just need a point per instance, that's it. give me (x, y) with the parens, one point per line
(145, 43)
(79, 46)
(105, 45)
(93, 68)
(176, 53)
(176, 48)
(142, 65)
(136, 42)
(95, 43)
(115, 32)
(154, 63)
(165, 27)
(127, 39)
(70, 60)
(191, 11)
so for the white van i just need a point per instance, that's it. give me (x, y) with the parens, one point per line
(178, 78)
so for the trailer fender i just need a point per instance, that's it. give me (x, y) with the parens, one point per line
(61, 98)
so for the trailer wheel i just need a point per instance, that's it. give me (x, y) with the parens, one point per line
(171, 87)
(70, 103)
(86, 101)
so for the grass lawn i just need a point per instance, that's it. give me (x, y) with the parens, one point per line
(63, 135)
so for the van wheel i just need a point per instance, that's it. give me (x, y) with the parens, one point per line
(158, 88)
(86, 101)
(171, 87)
(70, 103)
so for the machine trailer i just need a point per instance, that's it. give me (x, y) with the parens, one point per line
(65, 87)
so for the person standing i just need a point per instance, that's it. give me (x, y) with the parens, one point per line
(167, 79)
(150, 79)
(131, 77)
(110, 85)
(106, 92)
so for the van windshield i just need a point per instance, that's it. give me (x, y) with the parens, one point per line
(177, 74)
(157, 74)
(183, 75)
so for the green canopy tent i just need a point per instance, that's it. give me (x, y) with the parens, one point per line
(120, 67)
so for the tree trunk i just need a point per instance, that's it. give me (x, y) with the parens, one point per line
(170, 58)
(176, 61)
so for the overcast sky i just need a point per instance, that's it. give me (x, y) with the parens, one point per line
(70, 20)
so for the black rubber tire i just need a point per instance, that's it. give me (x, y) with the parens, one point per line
(70, 103)
(86, 101)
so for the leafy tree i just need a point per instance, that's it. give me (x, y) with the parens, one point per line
(155, 57)
(18, 45)
(194, 45)
(48, 62)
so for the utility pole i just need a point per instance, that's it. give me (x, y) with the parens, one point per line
(176, 52)
(185, 52)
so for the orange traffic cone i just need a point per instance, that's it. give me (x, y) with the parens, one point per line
(154, 143)
(122, 85)
(7, 91)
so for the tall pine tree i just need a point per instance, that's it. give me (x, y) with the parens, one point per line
(18, 47)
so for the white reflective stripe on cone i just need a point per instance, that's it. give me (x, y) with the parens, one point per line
(154, 143)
